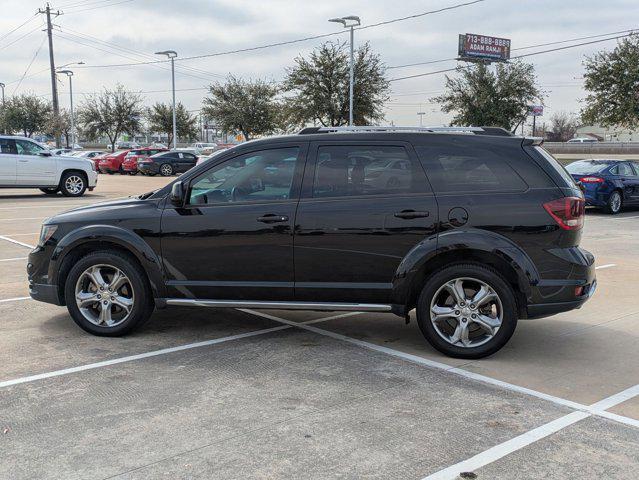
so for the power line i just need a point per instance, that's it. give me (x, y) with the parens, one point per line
(29, 66)
(21, 37)
(288, 42)
(517, 49)
(512, 58)
(137, 53)
(410, 17)
(30, 19)
(100, 6)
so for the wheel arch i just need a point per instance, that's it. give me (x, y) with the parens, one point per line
(471, 246)
(104, 237)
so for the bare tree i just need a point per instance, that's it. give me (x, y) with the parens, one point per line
(563, 127)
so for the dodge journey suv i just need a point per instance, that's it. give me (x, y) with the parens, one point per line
(474, 228)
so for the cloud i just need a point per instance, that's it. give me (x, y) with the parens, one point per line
(194, 27)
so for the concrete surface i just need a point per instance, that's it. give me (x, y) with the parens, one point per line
(296, 404)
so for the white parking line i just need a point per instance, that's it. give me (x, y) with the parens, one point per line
(591, 409)
(43, 205)
(625, 218)
(508, 447)
(12, 259)
(21, 218)
(154, 353)
(15, 299)
(16, 242)
(23, 234)
(607, 265)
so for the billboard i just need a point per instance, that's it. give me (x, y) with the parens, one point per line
(474, 47)
(536, 110)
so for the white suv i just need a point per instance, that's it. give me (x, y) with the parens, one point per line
(26, 164)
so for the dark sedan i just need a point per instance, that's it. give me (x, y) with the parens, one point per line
(167, 163)
(609, 184)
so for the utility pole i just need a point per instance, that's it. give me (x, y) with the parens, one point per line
(54, 86)
(2, 85)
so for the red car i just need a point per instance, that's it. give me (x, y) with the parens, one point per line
(130, 163)
(112, 162)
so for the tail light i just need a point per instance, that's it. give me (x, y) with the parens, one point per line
(568, 212)
(591, 180)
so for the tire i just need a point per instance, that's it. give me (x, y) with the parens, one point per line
(614, 204)
(50, 191)
(135, 290)
(454, 318)
(166, 170)
(73, 184)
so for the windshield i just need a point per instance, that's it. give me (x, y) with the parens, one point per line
(588, 166)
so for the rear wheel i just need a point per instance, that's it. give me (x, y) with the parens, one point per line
(73, 184)
(166, 169)
(467, 311)
(614, 203)
(50, 191)
(107, 294)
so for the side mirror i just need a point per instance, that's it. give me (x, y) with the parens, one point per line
(45, 153)
(177, 194)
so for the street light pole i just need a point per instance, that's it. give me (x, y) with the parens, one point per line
(421, 118)
(351, 22)
(2, 87)
(172, 54)
(69, 74)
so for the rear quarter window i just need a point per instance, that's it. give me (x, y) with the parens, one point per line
(556, 166)
(456, 169)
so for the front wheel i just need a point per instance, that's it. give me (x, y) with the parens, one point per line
(614, 203)
(73, 184)
(467, 311)
(107, 294)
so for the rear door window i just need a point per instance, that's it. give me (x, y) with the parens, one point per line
(623, 169)
(354, 170)
(455, 169)
(8, 146)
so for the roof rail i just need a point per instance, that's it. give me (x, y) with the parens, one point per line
(370, 128)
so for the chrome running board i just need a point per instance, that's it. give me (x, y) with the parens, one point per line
(348, 307)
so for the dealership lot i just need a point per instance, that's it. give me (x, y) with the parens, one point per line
(263, 394)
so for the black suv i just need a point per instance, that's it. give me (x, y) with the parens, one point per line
(472, 227)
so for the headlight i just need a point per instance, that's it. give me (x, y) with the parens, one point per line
(46, 232)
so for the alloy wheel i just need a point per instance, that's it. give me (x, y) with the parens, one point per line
(104, 295)
(466, 312)
(615, 202)
(74, 184)
(166, 170)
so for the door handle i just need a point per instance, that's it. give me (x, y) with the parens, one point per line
(272, 218)
(410, 214)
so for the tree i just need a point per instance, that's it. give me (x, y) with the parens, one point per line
(111, 113)
(499, 97)
(246, 107)
(60, 126)
(612, 82)
(160, 119)
(320, 87)
(563, 127)
(26, 114)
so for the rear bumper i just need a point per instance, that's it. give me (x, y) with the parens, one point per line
(552, 296)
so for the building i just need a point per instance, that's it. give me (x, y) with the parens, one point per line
(610, 134)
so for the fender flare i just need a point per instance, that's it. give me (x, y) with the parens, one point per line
(126, 239)
(470, 239)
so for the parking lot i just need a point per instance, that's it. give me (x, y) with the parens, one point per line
(221, 393)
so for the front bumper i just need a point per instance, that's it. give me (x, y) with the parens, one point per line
(45, 293)
(92, 178)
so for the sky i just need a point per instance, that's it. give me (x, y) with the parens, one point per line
(110, 32)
